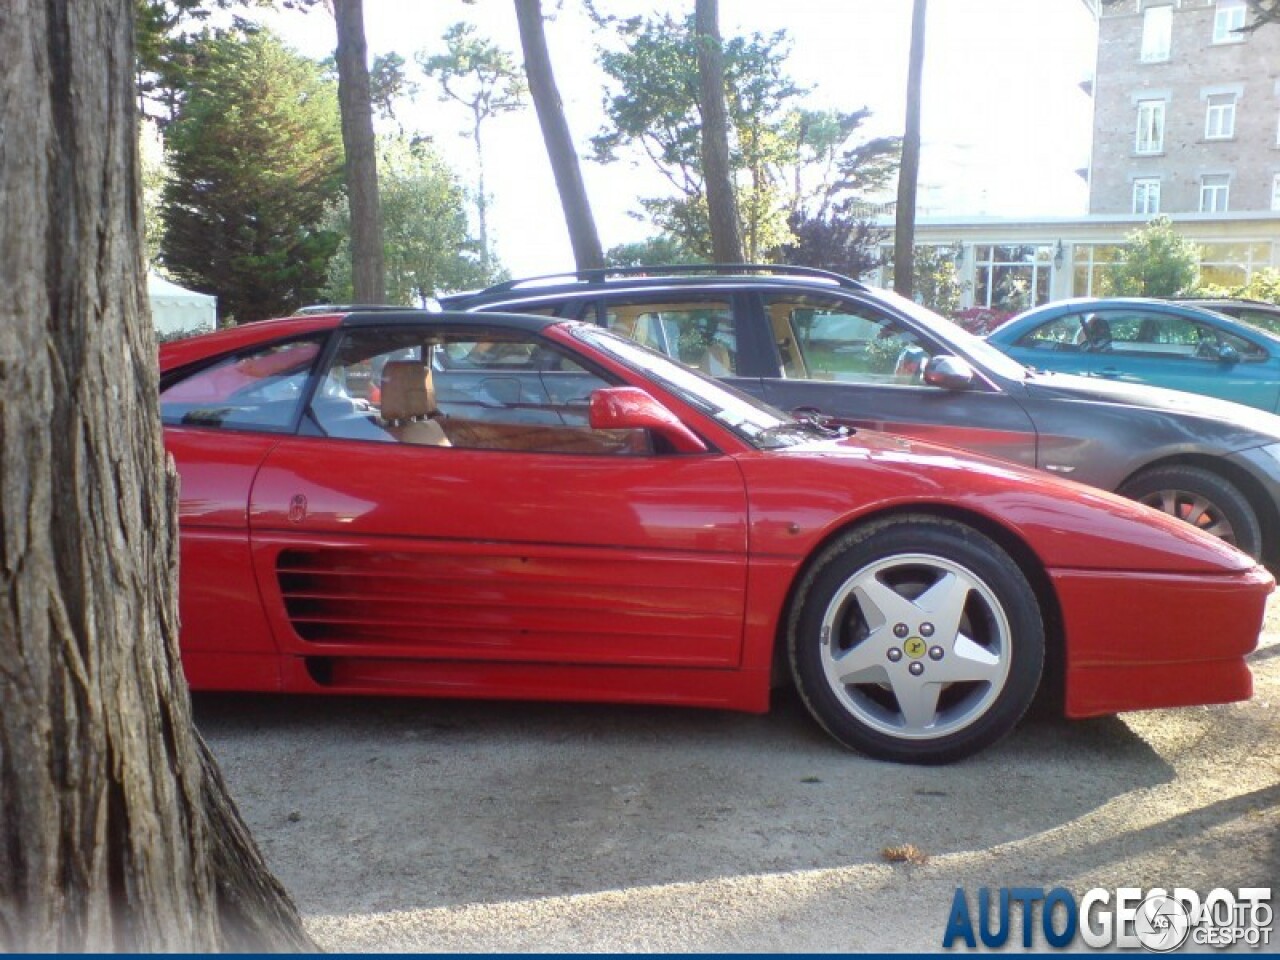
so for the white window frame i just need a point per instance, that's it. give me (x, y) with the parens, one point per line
(1220, 116)
(1151, 114)
(1228, 17)
(1275, 192)
(1157, 34)
(1215, 193)
(1146, 196)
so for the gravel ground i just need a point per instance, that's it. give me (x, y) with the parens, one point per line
(443, 826)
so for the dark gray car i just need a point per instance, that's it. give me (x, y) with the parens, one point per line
(815, 343)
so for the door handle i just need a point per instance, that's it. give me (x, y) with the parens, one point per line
(1108, 372)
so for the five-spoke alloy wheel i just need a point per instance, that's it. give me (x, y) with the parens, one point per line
(916, 639)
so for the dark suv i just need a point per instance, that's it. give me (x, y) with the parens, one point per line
(1257, 312)
(819, 344)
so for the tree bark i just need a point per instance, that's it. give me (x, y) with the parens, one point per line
(117, 833)
(587, 252)
(904, 236)
(368, 274)
(726, 238)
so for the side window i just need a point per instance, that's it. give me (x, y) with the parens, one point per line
(1261, 320)
(258, 390)
(1165, 336)
(1065, 333)
(699, 333)
(833, 340)
(495, 390)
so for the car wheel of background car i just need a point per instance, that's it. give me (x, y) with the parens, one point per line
(1202, 498)
(916, 639)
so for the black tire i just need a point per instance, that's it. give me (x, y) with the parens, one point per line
(896, 564)
(1203, 498)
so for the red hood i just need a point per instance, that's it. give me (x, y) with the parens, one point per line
(1068, 524)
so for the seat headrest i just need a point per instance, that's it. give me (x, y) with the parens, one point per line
(406, 390)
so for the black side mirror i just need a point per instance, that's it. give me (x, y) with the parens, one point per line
(950, 373)
(1228, 354)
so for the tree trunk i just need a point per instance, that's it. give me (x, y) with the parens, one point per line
(726, 239)
(482, 199)
(587, 252)
(117, 832)
(368, 275)
(904, 237)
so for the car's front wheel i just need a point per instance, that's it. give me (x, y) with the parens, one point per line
(916, 639)
(1203, 499)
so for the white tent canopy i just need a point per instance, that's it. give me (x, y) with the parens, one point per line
(175, 308)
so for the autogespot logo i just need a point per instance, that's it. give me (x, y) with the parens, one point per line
(1158, 920)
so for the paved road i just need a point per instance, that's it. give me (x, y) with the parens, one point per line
(438, 826)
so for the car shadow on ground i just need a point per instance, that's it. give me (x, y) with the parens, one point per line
(366, 805)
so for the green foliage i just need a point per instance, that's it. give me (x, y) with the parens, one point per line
(426, 247)
(166, 40)
(783, 159)
(662, 249)
(256, 158)
(837, 241)
(1263, 285)
(486, 80)
(832, 169)
(1156, 261)
(476, 73)
(936, 279)
(389, 83)
(154, 174)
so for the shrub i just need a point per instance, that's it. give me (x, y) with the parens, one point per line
(980, 320)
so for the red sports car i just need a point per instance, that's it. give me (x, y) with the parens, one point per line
(486, 505)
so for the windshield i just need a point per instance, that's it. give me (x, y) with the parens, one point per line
(973, 348)
(757, 423)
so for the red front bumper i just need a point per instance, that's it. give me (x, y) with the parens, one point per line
(1137, 642)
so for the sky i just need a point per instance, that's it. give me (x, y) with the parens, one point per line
(1005, 124)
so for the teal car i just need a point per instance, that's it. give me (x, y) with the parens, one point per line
(1156, 342)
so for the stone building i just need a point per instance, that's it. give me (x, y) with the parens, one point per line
(1186, 123)
(1186, 110)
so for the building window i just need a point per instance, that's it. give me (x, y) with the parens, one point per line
(1275, 192)
(1157, 30)
(1146, 195)
(1232, 264)
(1215, 189)
(1228, 18)
(1150, 137)
(1220, 117)
(1012, 277)
(1092, 265)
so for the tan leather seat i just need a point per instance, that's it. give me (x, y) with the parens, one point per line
(409, 403)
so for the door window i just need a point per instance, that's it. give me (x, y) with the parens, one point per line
(1171, 337)
(256, 390)
(820, 339)
(1061, 334)
(494, 390)
(699, 333)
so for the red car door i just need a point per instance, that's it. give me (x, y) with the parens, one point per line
(385, 550)
(220, 422)
(226, 642)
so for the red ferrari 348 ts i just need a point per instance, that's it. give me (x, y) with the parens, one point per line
(487, 505)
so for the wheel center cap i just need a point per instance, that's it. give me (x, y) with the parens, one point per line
(914, 647)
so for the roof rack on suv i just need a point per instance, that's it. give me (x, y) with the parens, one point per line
(1250, 301)
(604, 274)
(320, 308)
